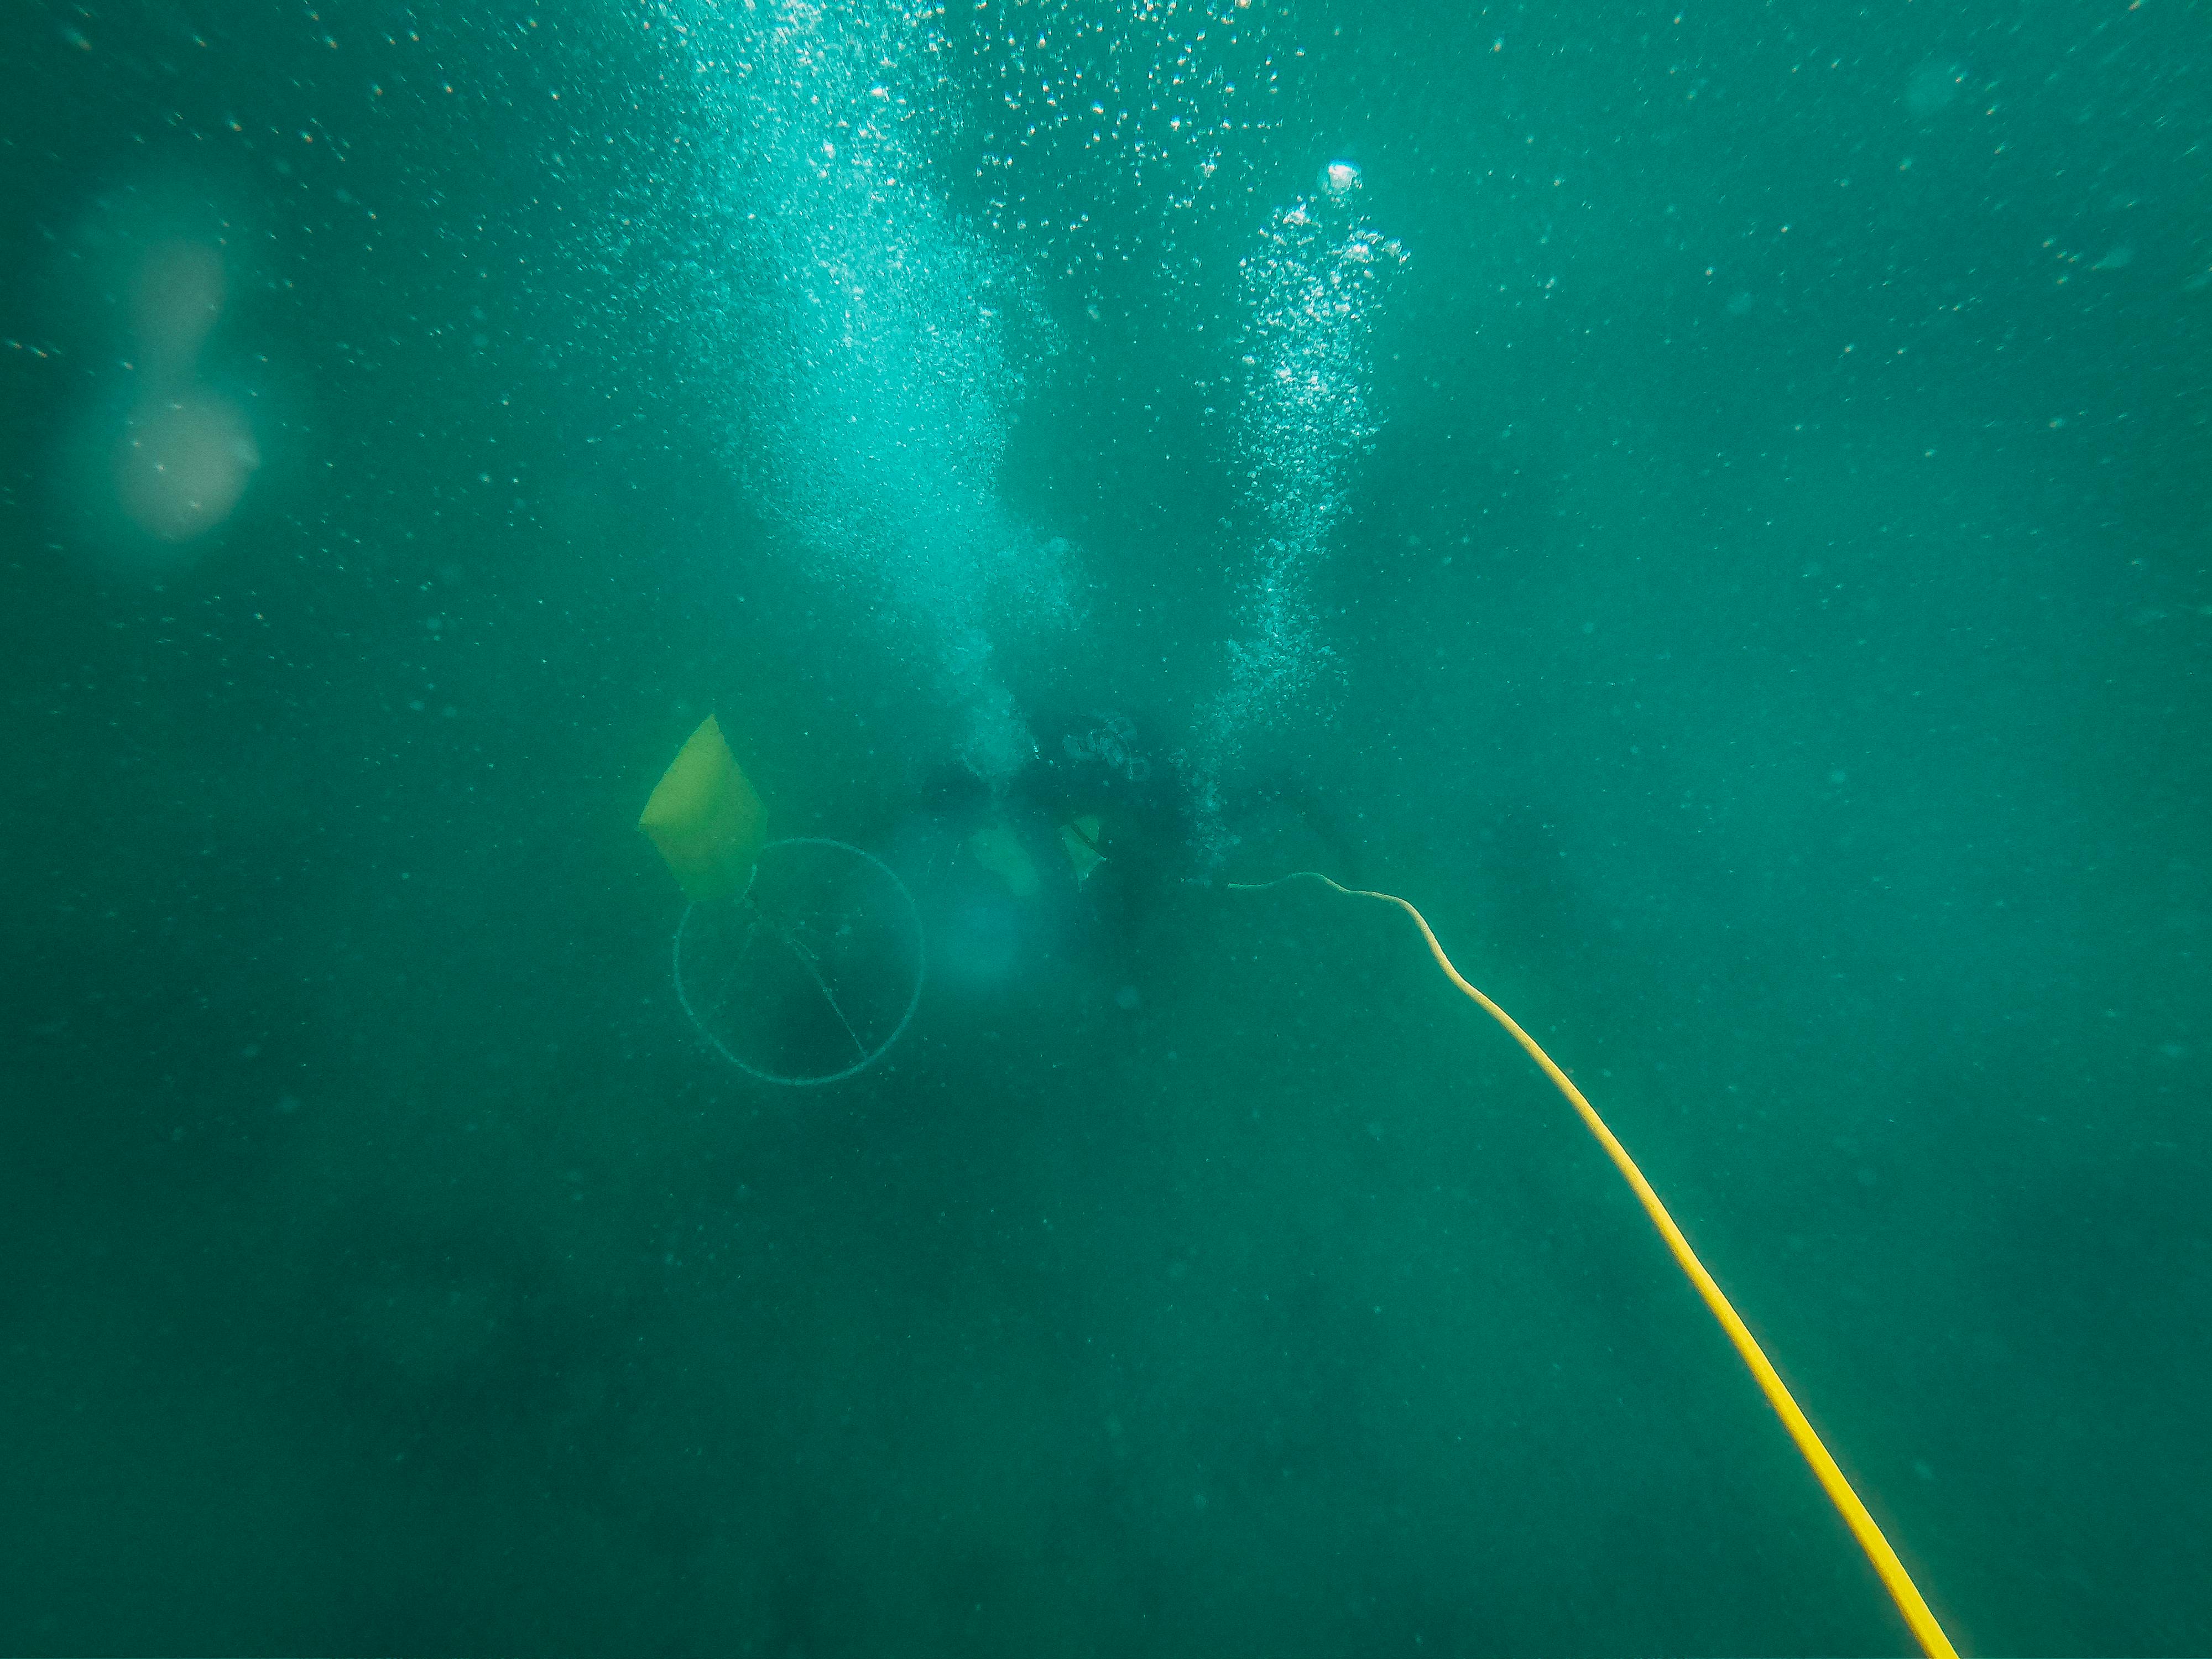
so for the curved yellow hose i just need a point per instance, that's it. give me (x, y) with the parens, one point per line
(1863, 1526)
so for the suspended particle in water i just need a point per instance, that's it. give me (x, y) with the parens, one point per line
(1340, 179)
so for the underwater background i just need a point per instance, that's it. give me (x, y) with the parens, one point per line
(1708, 502)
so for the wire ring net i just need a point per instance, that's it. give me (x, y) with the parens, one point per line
(810, 975)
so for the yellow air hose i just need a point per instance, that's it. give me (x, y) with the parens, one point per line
(1863, 1527)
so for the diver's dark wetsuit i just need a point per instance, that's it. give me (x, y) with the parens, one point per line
(1096, 774)
(1110, 820)
(1106, 823)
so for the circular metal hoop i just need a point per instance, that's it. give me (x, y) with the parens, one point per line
(869, 1055)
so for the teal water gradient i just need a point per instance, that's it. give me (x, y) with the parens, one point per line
(1768, 631)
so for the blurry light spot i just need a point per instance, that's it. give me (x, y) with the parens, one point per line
(175, 301)
(183, 464)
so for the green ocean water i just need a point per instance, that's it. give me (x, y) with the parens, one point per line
(1761, 613)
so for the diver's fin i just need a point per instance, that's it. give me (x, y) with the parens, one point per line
(1080, 840)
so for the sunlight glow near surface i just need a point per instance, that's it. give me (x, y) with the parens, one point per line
(164, 452)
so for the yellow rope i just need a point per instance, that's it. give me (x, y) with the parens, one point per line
(1863, 1527)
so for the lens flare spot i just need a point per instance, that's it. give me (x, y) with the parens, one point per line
(182, 463)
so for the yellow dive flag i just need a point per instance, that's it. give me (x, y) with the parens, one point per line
(706, 818)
